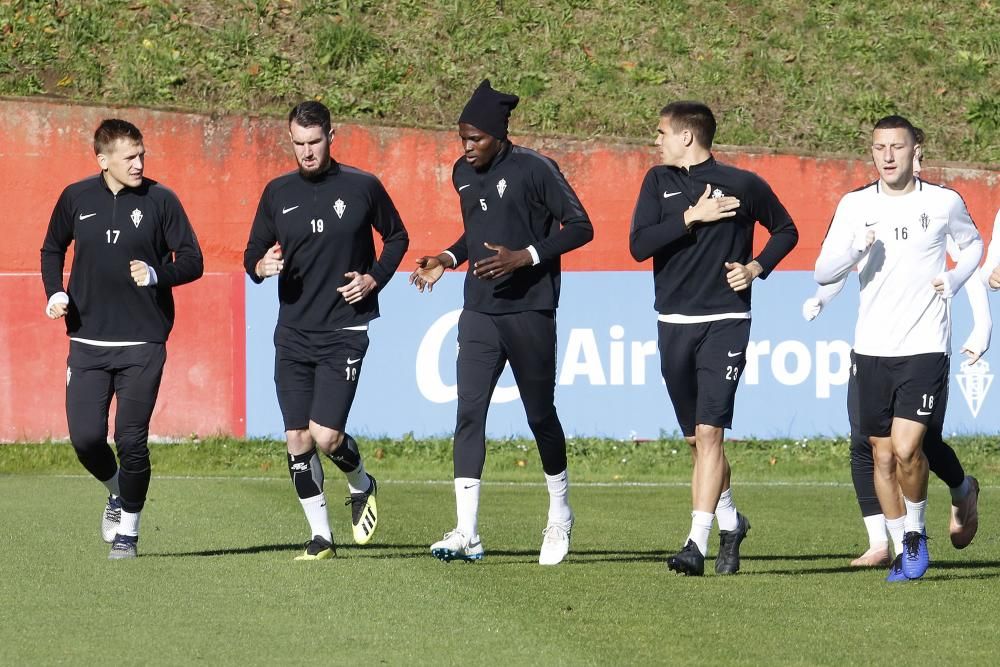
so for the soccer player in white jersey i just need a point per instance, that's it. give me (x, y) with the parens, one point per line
(895, 231)
(941, 458)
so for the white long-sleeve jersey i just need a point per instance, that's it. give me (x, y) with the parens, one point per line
(992, 254)
(900, 313)
(982, 319)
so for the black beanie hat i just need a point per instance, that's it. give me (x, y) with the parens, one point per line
(489, 110)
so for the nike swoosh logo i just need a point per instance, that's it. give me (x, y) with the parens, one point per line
(87, 215)
(352, 361)
(923, 413)
(734, 354)
(462, 187)
(668, 195)
(871, 224)
(286, 210)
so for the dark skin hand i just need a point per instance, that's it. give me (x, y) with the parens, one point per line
(503, 263)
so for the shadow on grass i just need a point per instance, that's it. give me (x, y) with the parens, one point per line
(797, 557)
(839, 569)
(940, 570)
(404, 551)
(233, 551)
(955, 569)
(295, 546)
(514, 557)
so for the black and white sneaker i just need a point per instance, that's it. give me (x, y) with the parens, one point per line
(364, 513)
(124, 546)
(318, 548)
(688, 561)
(728, 560)
(111, 519)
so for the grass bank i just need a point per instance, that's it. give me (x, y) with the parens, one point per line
(789, 75)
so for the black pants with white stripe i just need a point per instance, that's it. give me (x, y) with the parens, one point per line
(132, 375)
(941, 457)
(486, 343)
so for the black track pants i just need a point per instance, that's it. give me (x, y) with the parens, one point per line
(486, 342)
(132, 375)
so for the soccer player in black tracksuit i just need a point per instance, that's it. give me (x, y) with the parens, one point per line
(520, 216)
(695, 218)
(132, 243)
(313, 229)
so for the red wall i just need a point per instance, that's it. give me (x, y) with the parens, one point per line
(203, 388)
(218, 166)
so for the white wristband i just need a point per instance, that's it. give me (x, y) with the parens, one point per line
(57, 298)
(534, 256)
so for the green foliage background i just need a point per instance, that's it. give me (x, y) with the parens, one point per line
(792, 76)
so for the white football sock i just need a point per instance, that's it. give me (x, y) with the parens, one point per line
(467, 505)
(875, 524)
(559, 510)
(914, 515)
(319, 522)
(725, 511)
(112, 485)
(960, 492)
(129, 524)
(895, 528)
(701, 526)
(357, 479)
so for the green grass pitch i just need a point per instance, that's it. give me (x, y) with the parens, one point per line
(216, 584)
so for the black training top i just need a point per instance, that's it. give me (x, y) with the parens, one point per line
(521, 200)
(689, 273)
(107, 230)
(324, 225)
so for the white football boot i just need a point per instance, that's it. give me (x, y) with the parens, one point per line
(456, 545)
(555, 542)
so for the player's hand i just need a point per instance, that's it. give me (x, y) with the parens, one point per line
(811, 307)
(972, 356)
(57, 310)
(942, 285)
(272, 263)
(429, 270)
(140, 272)
(707, 209)
(976, 344)
(863, 240)
(361, 286)
(740, 276)
(994, 280)
(503, 263)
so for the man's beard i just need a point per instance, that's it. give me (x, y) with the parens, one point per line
(315, 172)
